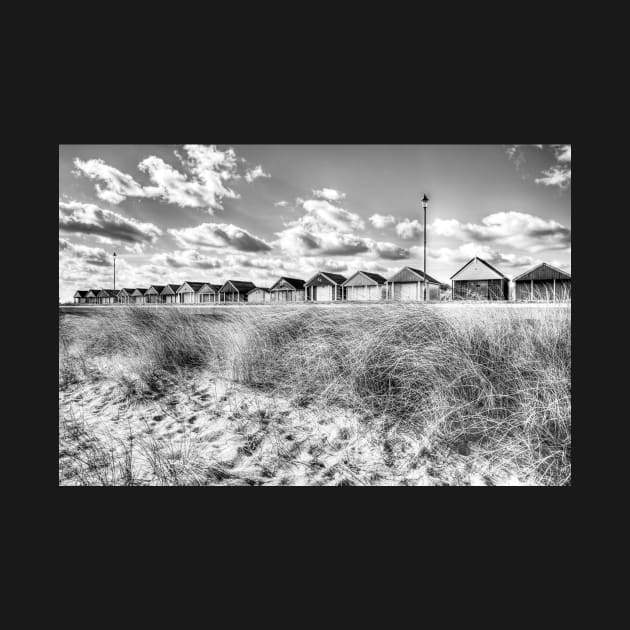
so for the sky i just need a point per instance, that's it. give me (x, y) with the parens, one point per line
(213, 213)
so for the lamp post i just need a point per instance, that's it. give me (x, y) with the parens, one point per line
(425, 203)
(114, 271)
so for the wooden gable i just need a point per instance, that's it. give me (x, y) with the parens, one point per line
(228, 287)
(283, 285)
(167, 291)
(152, 291)
(543, 271)
(138, 293)
(476, 269)
(359, 279)
(206, 288)
(320, 280)
(185, 288)
(406, 274)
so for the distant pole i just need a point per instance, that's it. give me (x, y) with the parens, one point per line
(114, 271)
(425, 203)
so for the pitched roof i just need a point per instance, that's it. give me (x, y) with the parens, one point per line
(296, 283)
(157, 287)
(336, 278)
(141, 291)
(424, 275)
(481, 260)
(265, 289)
(214, 287)
(242, 286)
(195, 286)
(81, 293)
(171, 287)
(110, 292)
(372, 276)
(129, 291)
(525, 273)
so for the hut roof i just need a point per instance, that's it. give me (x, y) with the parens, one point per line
(481, 260)
(108, 293)
(172, 288)
(242, 286)
(417, 272)
(81, 293)
(140, 291)
(127, 291)
(296, 283)
(544, 271)
(195, 286)
(265, 289)
(335, 278)
(375, 277)
(214, 287)
(157, 287)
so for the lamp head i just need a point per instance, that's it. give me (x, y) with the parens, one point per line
(425, 201)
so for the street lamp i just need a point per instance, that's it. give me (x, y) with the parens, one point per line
(425, 203)
(114, 271)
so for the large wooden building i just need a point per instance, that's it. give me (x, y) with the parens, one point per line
(409, 284)
(287, 290)
(543, 282)
(325, 287)
(479, 280)
(235, 291)
(365, 286)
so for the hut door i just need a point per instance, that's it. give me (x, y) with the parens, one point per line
(314, 291)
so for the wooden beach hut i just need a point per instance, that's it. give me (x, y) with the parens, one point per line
(325, 287)
(543, 282)
(189, 292)
(259, 295)
(235, 291)
(125, 296)
(92, 296)
(80, 297)
(209, 293)
(365, 286)
(154, 294)
(479, 280)
(409, 283)
(169, 293)
(138, 296)
(108, 296)
(287, 290)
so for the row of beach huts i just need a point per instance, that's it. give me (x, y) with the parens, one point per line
(476, 280)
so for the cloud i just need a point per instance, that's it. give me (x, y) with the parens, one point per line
(186, 258)
(556, 176)
(389, 251)
(381, 221)
(253, 174)
(204, 185)
(467, 251)
(516, 229)
(330, 194)
(219, 235)
(87, 218)
(281, 204)
(563, 152)
(94, 256)
(409, 229)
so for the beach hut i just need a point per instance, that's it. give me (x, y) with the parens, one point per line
(409, 284)
(365, 286)
(91, 296)
(124, 297)
(79, 297)
(107, 296)
(138, 296)
(325, 287)
(479, 280)
(235, 291)
(169, 293)
(154, 294)
(189, 292)
(259, 295)
(543, 282)
(287, 290)
(209, 293)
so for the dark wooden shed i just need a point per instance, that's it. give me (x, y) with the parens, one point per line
(479, 280)
(543, 282)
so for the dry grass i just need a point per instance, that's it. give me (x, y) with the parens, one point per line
(486, 390)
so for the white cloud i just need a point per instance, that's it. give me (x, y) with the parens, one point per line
(109, 226)
(516, 229)
(189, 258)
(253, 174)
(281, 204)
(330, 194)
(219, 235)
(563, 152)
(209, 169)
(467, 251)
(389, 251)
(556, 176)
(409, 229)
(380, 221)
(94, 256)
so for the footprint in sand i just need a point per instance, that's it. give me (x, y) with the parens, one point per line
(158, 418)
